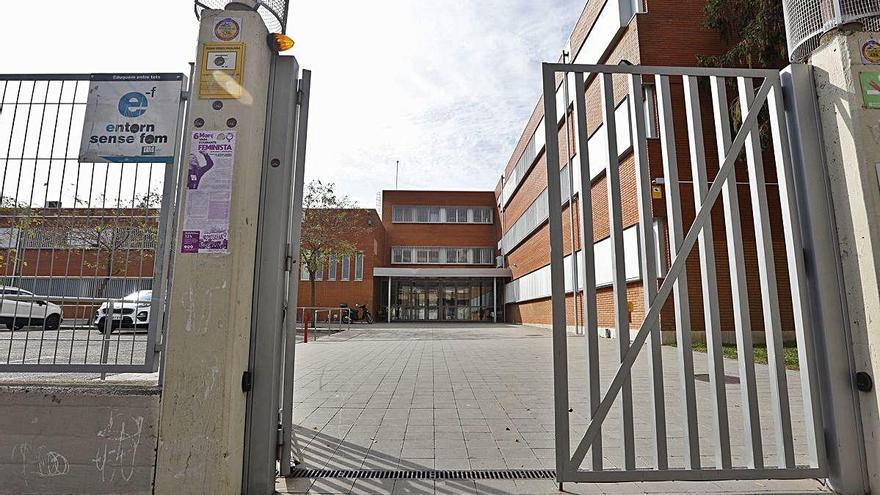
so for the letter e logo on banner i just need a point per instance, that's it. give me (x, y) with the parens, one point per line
(133, 104)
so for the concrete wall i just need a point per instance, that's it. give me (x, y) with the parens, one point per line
(77, 439)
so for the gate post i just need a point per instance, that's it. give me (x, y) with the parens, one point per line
(203, 407)
(850, 135)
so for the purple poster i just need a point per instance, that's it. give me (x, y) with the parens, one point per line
(209, 193)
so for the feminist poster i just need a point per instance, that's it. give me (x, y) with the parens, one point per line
(208, 193)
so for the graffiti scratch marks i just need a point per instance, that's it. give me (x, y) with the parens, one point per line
(39, 462)
(119, 442)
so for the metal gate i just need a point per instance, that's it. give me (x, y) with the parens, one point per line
(84, 247)
(727, 129)
(269, 440)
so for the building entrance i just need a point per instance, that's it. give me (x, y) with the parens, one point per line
(444, 299)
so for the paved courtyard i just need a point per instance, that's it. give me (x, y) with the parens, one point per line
(480, 397)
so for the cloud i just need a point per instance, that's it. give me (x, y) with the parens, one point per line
(444, 87)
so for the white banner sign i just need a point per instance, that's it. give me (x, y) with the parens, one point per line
(131, 118)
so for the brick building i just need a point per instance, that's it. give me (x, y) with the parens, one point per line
(349, 280)
(431, 257)
(650, 33)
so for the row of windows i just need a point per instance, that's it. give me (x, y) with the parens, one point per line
(105, 237)
(340, 268)
(441, 214)
(442, 255)
(530, 152)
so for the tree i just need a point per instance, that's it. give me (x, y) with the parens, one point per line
(753, 29)
(331, 226)
(20, 222)
(113, 234)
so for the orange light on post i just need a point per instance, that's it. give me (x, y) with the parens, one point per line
(280, 42)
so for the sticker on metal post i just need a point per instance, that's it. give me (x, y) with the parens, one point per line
(131, 118)
(870, 51)
(227, 28)
(222, 71)
(208, 192)
(870, 83)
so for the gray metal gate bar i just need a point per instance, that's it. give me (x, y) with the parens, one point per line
(769, 290)
(591, 314)
(618, 267)
(680, 289)
(709, 280)
(649, 262)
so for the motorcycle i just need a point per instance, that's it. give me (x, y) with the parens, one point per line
(359, 313)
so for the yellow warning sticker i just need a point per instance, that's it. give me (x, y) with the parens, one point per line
(221, 71)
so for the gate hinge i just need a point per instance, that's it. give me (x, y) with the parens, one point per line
(246, 381)
(288, 259)
(299, 96)
(184, 95)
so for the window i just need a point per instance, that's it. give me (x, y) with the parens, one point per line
(421, 255)
(396, 255)
(406, 255)
(482, 215)
(456, 215)
(457, 255)
(346, 267)
(650, 112)
(359, 266)
(319, 275)
(402, 214)
(303, 272)
(331, 267)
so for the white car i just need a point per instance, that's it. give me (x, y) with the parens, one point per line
(19, 309)
(132, 311)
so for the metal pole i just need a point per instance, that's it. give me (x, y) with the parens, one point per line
(574, 270)
(389, 300)
(396, 171)
(494, 300)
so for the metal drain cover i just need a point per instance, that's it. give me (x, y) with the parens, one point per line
(428, 474)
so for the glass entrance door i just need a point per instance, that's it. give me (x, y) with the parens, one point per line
(453, 299)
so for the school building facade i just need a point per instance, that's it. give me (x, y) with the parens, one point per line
(466, 256)
(430, 257)
(613, 32)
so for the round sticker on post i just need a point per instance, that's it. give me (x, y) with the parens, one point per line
(227, 29)
(871, 52)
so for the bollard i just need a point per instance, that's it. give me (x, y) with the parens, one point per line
(305, 327)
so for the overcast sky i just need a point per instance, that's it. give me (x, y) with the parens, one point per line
(444, 87)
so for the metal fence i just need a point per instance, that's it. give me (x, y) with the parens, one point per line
(273, 12)
(806, 21)
(83, 253)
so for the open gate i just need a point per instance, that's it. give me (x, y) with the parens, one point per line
(726, 129)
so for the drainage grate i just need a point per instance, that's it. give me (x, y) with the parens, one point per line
(428, 474)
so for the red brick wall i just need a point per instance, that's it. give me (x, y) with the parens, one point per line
(333, 293)
(436, 234)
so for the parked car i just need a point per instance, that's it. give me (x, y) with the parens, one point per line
(132, 311)
(19, 309)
